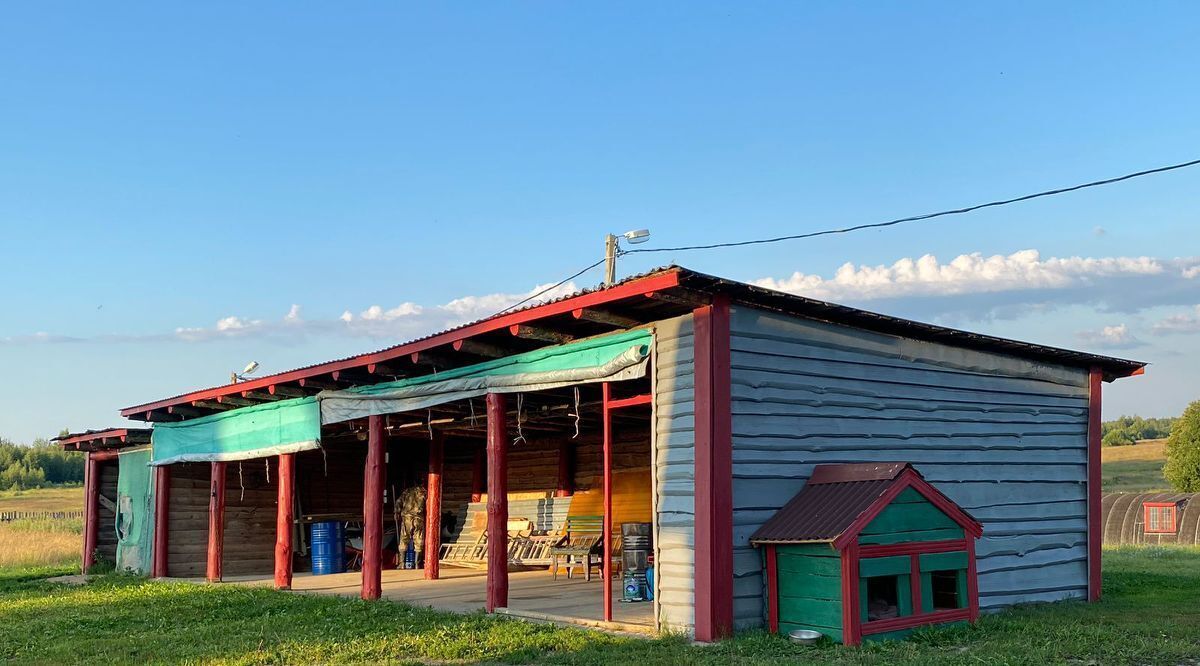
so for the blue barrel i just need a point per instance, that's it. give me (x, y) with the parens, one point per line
(326, 547)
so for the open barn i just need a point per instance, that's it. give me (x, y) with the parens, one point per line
(625, 443)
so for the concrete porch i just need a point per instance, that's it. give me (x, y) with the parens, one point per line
(533, 595)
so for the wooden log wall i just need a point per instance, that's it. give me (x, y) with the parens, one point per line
(331, 481)
(250, 517)
(106, 537)
(187, 520)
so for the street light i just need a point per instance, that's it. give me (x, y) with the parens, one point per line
(235, 377)
(612, 248)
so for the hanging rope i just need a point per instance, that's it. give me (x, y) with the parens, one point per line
(576, 414)
(240, 483)
(471, 402)
(429, 422)
(267, 462)
(325, 458)
(520, 417)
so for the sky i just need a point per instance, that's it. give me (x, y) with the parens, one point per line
(188, 187)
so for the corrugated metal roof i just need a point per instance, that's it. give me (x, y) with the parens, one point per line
(829, 503)
(695, 282)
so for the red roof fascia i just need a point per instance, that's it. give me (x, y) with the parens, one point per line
(910, 478)
(121, 433)
(634, 288)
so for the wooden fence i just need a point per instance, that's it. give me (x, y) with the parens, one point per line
(10, 516)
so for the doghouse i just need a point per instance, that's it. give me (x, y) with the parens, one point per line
(868, 550)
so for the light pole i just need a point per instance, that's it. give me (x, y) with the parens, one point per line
(612, 249)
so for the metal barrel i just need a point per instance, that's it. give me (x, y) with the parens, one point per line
(327, 555)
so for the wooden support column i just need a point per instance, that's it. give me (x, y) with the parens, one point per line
(772, 590)
(91, 511)
(372, 572)
(1095, 533)
(607, 522)
(284, 517)
(433, 507)
(713, 473)
(566, 470)
(497, 502)
(478, 475)
(216, 522)
(162, 503)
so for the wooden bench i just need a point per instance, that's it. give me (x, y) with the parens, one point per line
(580, 546)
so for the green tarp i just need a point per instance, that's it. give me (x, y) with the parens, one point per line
(263, 430)
(606, 358)
(134, 525)
(288, 426)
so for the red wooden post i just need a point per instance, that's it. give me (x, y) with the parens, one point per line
(216, 522)
(972, 582)
(713, 473)
(433, 507)
(478, 475)
(914, 583)
(497, 502)
(91, 510)
(851, 610)
(607, 526)
(372, 573)
(772, 590)
(566, 470)
(162, 503)
(284, 519)
(1095, 535)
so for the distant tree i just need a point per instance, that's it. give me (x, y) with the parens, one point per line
(1132, 429)
(1183, 451)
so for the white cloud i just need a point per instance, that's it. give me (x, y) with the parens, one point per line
(1110, 337)
(395, 324)
(974, 286)
(1180, 323)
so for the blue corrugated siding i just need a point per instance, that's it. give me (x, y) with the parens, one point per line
(1003, 437)
(674, 469)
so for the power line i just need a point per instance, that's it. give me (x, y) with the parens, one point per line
(915, 218)
(860, 227)
(550, 288)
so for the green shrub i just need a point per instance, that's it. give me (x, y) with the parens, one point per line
(1183, 451)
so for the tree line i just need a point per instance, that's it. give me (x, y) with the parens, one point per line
(38, 465)
(1132, 429)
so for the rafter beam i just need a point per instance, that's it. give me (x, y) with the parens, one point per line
(604, 317)
(184, 411)
(261, 396)
(213, 405)
(156, 417)
(235, 401)
(318, 384)
(539, 333)
(286, 391)
(383, 369)
(480, 348)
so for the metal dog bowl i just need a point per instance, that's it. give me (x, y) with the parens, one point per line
(804, 636)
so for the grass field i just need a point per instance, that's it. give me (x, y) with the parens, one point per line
(42, 499)
(1149, 615)
(41, 542)
(1136, 468)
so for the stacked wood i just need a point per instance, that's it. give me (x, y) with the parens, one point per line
(187, 520)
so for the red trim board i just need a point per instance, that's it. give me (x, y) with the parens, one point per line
(1095, 535)
(713, 473)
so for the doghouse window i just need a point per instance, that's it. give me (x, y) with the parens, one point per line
(944, 585)
(1158, 518)
(883, 597)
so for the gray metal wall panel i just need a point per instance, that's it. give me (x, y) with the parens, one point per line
(674, 470)
(1004, 437)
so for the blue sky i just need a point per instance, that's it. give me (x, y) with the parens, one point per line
(174, 179)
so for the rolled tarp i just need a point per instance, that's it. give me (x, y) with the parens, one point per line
(608, 358)
(269, 429)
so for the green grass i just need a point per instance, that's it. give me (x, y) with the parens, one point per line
(1133, 476)
(1149, 615)
(63, 498)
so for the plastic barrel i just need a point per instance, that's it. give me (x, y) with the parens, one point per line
(326, 542)
(649, 583)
